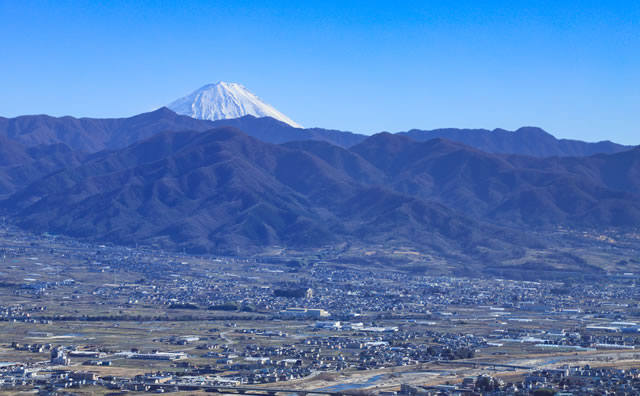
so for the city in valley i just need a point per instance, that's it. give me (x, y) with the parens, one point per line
(96, 319)
(320, 198)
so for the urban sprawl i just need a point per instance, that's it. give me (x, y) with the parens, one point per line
(92, 319)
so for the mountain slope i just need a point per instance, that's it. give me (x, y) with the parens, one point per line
(620, 171)
(21, 165)
(224, 101)
(220, 189)
(196, 187)
(511, 189)
(12, 153)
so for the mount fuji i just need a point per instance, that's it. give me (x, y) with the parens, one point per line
(225, 101)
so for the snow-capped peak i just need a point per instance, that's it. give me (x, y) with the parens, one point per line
(226, 100)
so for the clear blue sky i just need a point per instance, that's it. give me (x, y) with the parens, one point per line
(570, 67)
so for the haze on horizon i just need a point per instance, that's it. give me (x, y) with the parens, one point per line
(571, 68)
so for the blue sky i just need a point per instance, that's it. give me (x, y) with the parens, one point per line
(572, 68)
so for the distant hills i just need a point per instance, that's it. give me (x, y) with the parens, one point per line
(93, 134)
(530, 141)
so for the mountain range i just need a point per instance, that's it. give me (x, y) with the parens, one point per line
(218, 184)
(221, 189)
(95, 134)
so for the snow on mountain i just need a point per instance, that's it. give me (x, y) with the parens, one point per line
(224, 101)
